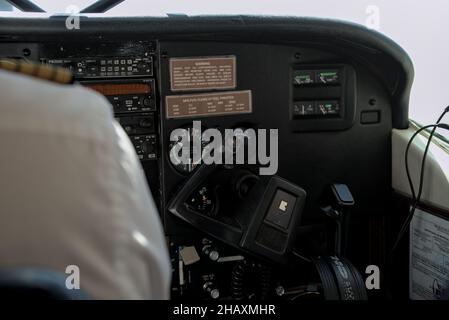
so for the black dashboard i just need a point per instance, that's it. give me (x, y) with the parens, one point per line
(333, 90)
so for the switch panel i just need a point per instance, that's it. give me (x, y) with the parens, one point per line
(323, 98)
(303, 77)
(328, 108)
(304, 108)
(316, 77)
(328, 76)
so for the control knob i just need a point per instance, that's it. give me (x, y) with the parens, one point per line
(211, 252)
(213, 292)
(147, 147)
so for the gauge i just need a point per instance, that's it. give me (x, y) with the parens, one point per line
(237, 144)
(175, 150)
(202, 201)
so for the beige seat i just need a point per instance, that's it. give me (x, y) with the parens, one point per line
(72, 192)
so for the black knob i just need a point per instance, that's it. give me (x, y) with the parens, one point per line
(147, 147)
(146, 123)
(212, 292)
(210, 252)
(147, 102)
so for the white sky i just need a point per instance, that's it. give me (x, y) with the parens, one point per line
(420, 27)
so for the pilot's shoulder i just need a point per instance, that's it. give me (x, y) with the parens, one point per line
(33, 104)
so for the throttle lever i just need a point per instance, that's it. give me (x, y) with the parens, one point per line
(339, 202)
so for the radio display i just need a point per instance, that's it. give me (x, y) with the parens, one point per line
(120, 89)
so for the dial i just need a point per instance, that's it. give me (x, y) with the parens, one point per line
(202, 201)
(176, 148)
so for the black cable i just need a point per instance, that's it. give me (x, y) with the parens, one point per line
(425, 153)
(416, 198)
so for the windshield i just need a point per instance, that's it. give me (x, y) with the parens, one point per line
(420, 27)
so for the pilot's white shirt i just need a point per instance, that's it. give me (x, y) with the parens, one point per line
(72, 192)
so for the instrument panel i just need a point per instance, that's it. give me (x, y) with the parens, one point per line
(159, 86)
(333, 112)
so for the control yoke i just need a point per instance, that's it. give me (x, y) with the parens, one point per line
(257, 214)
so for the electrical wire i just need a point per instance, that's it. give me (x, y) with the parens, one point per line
(305, 293)
(432, 133)
(416, 198)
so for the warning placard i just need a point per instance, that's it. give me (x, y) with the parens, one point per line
(202, 73)
(208, 104)
(429, 257)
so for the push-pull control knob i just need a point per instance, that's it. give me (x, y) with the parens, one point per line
(147, 147)
(212, 253)
(146, 123)
(213, 292)
(147, 102)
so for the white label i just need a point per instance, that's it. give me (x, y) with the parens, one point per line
(429, 257)
(189, 255)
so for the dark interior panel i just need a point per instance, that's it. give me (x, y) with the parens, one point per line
(333, 91)
(310, 159)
